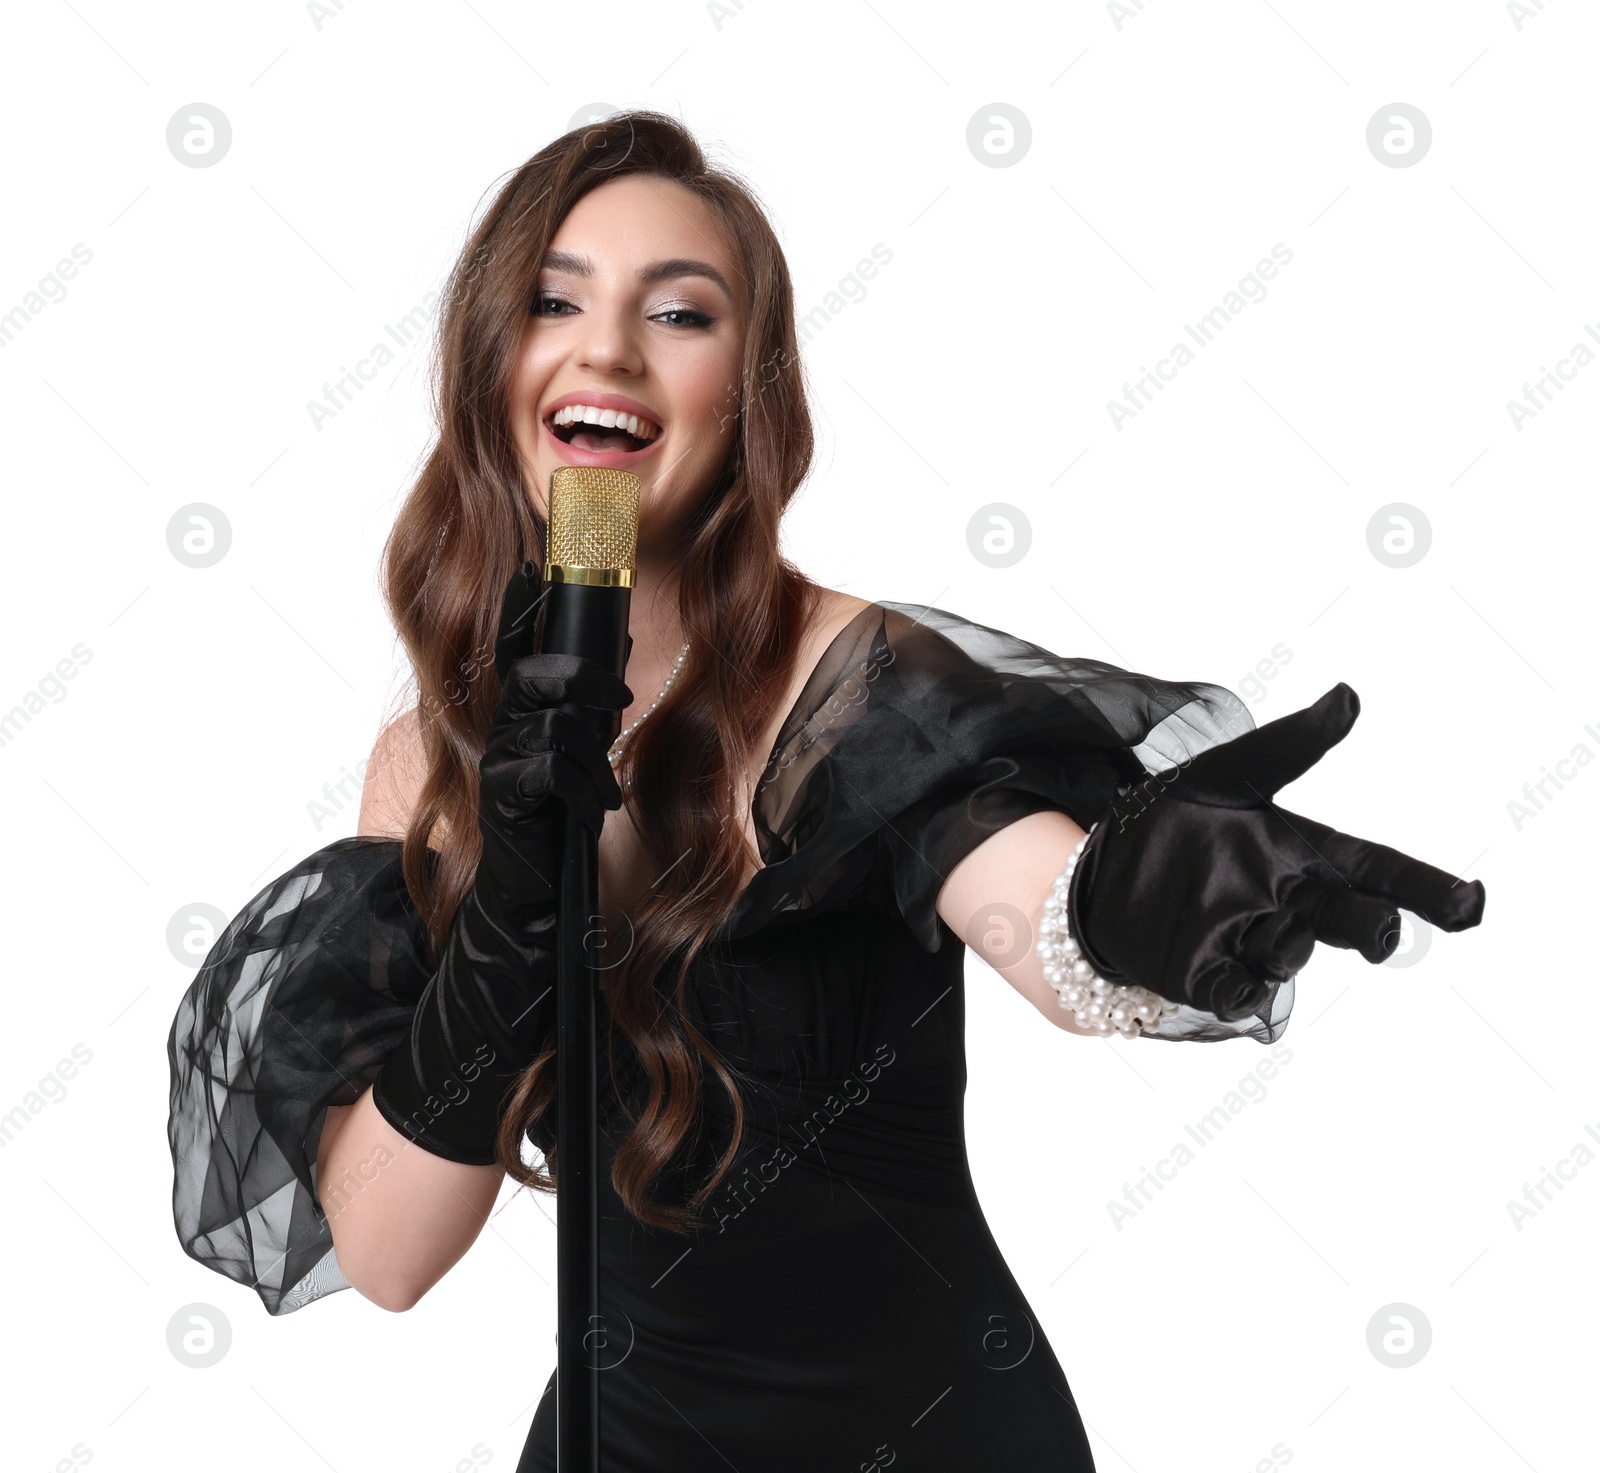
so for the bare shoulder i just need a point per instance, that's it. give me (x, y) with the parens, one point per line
(393, 778)
(834, 611)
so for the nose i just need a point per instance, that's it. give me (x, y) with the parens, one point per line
(610, 341)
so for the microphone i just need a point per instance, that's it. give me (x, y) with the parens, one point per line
(591, 537)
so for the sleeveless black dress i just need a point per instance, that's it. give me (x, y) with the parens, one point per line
(846, 1305)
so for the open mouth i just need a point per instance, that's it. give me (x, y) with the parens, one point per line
(601, 431)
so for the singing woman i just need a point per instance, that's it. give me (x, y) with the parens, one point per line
(816, 805)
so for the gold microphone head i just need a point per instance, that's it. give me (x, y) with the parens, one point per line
(594, 526)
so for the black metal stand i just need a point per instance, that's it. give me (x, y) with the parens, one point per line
(591, 621)
(577, 1167)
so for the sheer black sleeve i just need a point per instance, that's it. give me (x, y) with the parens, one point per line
(305, 994)
(922, 733)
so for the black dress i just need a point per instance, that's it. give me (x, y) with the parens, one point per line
(846, 1305)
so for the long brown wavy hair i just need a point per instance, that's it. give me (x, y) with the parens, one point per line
(469, 522)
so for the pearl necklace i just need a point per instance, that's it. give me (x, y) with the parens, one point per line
(614, 753)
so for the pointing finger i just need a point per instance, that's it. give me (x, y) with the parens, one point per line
(1439, 897)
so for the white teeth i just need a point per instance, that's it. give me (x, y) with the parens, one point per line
(607, 419)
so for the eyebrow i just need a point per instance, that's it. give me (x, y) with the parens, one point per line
(667, 270)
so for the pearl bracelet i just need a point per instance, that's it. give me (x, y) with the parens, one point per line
(1098, 1005)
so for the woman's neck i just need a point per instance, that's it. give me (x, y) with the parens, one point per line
(653, 622)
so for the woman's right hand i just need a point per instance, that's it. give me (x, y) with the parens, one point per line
(487, 1007)
(536, 752)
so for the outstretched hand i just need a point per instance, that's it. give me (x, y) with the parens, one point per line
(1197, 886)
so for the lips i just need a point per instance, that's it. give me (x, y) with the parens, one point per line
(594, 427)
(613, 459)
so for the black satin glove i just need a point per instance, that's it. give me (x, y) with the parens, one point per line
(1198, 887)
(479, 1020)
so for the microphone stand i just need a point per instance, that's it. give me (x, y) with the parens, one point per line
(577, 1157)
(585, 613)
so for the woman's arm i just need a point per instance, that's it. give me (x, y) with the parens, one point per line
(1197, 887)
(1012, 871)
(400, 1216)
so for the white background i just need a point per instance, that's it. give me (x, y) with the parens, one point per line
(1169, 153)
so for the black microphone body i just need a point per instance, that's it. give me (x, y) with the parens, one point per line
(590, 620)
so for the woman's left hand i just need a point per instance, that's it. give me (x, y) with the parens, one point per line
(1197, 886)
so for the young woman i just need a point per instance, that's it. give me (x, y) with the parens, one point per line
(816, 800)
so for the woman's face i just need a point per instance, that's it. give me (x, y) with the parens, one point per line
(639, 310)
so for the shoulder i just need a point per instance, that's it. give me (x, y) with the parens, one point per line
(833, 614)
(835, 609)
(393, 777)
